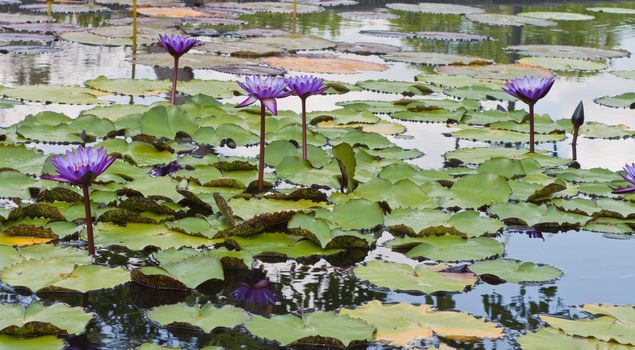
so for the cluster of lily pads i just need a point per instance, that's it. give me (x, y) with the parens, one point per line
(170, 184)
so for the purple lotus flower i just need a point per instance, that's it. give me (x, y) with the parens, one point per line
(257, 293)
(304, 86)
(177, 45)
(265, 90)
(630, 177)
(82, 166)
(529, 90)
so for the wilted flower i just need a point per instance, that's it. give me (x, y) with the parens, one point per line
(265, 90)
(255, 289)
(529, 90)
(166, 169)
(304, 86)
(176, 45)
(629, 176)
(82, 166)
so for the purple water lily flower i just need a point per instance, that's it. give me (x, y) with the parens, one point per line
(177, 46)
(529, 90)
(258, 293)
(629, 176)
(81, 167)
(304, 86)
(265, 90)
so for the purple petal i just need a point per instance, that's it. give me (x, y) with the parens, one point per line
(249, 100)
(271, 105)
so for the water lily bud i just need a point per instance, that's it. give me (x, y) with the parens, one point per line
(577, 119)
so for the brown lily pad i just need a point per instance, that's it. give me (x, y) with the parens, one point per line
(65, 8)
(365, 48)
(255, 32)
(369, 14)
(172, 12)
(496, 19)
(192, 61)
(313, 64)
(214, 21)
(434, 58)
(249, 69)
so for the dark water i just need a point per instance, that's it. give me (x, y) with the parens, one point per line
(597, 269)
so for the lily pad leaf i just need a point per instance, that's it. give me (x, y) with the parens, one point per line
(206, 318)
(38, 319)
(516, 271)
(496, 19)
(534, 215)
(422, 278)
(434, 58)
(134, 87)
(438, 8)
(557, 16)
(355, 214)
(73, 95)
(322, 326)
(473, 191)
(400, 324)
(450, 248)
(553, 339)
(566, 51)
(626, 100)
(564, 64)
(49, 342)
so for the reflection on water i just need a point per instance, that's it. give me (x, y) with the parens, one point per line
(597, 269)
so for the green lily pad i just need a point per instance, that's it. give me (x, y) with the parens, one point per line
(557, 16)
(597, 208)
(401, 324)
(478, 92)
(49, 342)
(193, 61)
(318, 230)
(88, 38)
(612, 10)
(505, 136)
(434, 58)
(138, 236)
(516, 271)
(625, 100)
(18, 157)
(552, 339)
(320, 327)
(565, 51)
(534, 215)
(282, 245)
(206, 318)
(396, 87)
(431, 116)
(37, 318)
(16, 185)
(179, 272)
(73, 95)
(450, 248)
(438, 8)
(496, 19)
(134, 87)
(355, 214)
(613, 323)
(401, 194)
(473, 191)
(54, 274)
(564, 64)
(422, 278)
(214, 88)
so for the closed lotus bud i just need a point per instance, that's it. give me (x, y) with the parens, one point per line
(577, 119)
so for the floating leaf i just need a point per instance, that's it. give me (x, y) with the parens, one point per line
(450, 248)
(138, 236)
(565, 51)
(322, 327)
(311, 64)
(48, 342)
(422, 278)
(496, 19)
(73, 95)
(434, 58)
(206, 318)
(37, 318)
(626, 100)
(557, 16)
(497, 71)
(402, 323)
(440, 8)
(534, 215)
(552, 339)
(473, 191)
(564, 64)
(612, 10)
(516, 271)
(135, 87)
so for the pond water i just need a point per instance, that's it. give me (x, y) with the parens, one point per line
(598, 268)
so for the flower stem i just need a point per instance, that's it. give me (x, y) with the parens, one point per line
(261, 159)
(531, 128)
(175, 77)
(89, 221)
(304, 147)
(574, 143)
